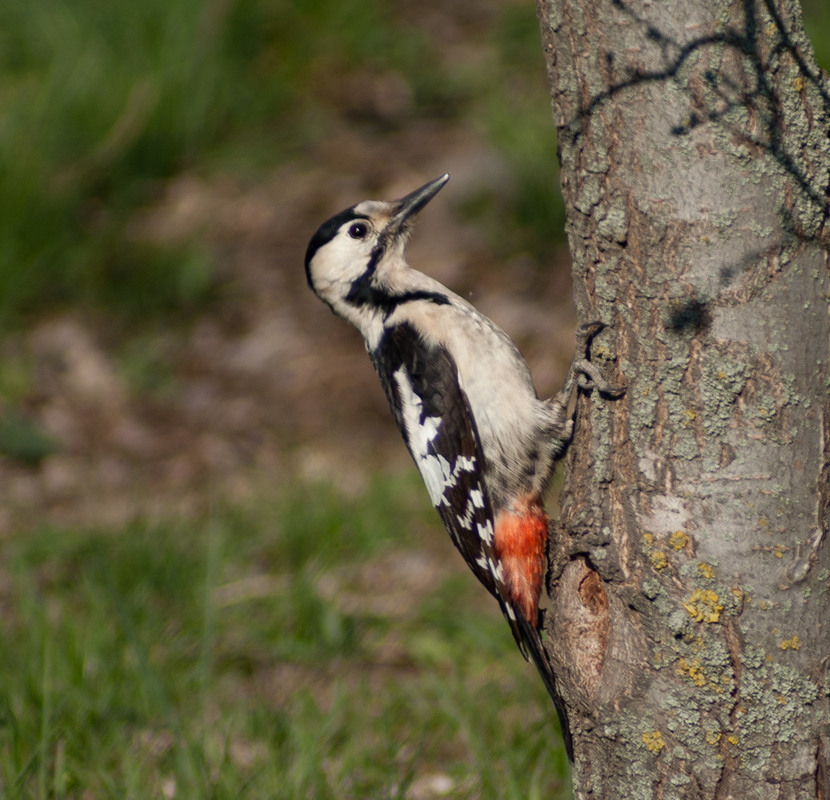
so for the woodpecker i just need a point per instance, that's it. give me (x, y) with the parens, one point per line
(463, 398)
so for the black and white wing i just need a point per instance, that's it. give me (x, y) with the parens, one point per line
(432, 412)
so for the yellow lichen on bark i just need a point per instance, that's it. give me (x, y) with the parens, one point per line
(653, 740)
(678, 540)
(659, 560)
(703, 606)
(707, 570)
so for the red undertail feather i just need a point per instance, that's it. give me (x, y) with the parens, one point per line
(521, 534)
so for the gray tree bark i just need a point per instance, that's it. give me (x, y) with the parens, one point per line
(690, 569)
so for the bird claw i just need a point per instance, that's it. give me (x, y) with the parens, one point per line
(587, 375)
(582, 375)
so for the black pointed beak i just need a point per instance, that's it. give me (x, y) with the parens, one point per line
(411, 204)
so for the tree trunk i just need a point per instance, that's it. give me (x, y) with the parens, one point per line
(690, 619)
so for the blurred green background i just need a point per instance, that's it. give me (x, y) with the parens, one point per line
(104, 103)
(220, 575)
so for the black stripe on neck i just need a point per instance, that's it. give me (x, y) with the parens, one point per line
(363, 293)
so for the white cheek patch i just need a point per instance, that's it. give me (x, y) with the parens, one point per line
(338, 264)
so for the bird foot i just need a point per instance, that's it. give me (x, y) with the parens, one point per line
(586, 375)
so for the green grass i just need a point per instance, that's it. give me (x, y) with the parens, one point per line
(267, 652)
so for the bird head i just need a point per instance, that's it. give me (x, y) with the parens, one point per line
(348, 256)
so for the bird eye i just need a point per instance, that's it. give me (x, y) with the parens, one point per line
(358, 230)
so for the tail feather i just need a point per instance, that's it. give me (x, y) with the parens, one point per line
(533, 650)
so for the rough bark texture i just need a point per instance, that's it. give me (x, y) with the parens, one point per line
(690, 621)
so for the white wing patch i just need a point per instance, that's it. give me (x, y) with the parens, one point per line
(485, 531)
(438, 474)
(420, 431)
